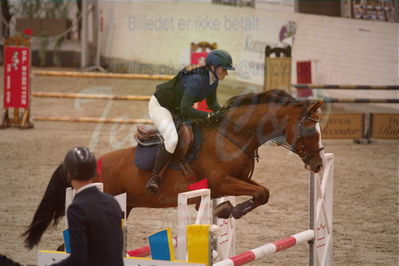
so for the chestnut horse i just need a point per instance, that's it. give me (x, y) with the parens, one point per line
(226, 159)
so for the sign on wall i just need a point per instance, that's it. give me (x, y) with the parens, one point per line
(385, 126)
(16, 77)
(304, 76)
(342, 126)
(278, 73)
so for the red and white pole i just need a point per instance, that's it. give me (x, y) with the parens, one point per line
(269, 248)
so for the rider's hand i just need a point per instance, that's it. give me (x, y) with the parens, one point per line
(215, 117)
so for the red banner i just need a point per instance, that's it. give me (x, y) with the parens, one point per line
(16, 77)
(304, 76)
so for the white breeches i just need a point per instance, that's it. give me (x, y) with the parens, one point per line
(163, 121)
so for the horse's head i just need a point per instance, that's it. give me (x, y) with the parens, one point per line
(269, 115)
(303, 134)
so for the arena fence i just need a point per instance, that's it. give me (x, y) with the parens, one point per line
(99, 75)
(94, 96)
(90, 96)
(93, 120)
(345, 87)
(358, 126)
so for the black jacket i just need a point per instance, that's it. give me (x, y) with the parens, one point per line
(94, 220)
(188, 87)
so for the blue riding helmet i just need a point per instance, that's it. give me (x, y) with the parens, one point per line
(80, 163)
(219, 58)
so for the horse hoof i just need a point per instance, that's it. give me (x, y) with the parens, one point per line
(223, 210)
(224, 214)
(237, 214)
(243, 208)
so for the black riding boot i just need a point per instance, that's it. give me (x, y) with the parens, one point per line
(161, 161)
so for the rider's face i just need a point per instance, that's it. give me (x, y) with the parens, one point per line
(221, 72)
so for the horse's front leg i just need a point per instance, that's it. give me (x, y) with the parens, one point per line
(232, 186)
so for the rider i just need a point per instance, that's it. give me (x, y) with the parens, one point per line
(177, 96)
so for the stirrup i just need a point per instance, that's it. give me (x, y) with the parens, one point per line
(152, 185)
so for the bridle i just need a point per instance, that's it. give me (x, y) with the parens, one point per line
(305, 156)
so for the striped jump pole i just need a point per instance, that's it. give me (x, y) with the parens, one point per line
(99, 75)
(345, 87)
(91, 96)
(269, 248)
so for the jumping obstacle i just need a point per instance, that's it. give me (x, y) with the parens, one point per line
(224, 243)
(99, 75)
(345, 87)
(319, 236)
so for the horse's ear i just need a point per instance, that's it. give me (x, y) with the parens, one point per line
(314, 106)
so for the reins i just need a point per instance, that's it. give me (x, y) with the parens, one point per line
(244, 148)
(253, 156)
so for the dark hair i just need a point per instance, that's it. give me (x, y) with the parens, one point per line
(80, 163)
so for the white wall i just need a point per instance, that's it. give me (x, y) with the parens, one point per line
(349, 51)
(133, 31)
(276, 5)
(345, 51)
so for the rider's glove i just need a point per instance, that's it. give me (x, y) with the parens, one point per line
(215, 117)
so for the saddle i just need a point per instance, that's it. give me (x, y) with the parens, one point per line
(150, 140)
(148, 135)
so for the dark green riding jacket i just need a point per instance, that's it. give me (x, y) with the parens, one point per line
(188, 87)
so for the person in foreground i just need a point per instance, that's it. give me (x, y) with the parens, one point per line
(176, 98)
(94, 217)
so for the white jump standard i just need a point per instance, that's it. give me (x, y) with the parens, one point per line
(319, 236)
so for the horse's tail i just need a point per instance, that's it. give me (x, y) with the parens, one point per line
(50, 210)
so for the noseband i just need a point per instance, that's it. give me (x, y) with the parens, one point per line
(306, 157)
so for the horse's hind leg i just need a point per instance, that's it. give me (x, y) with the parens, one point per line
(235, 187)
(266, 192)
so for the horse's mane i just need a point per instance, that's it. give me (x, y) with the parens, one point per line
(271, 96)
